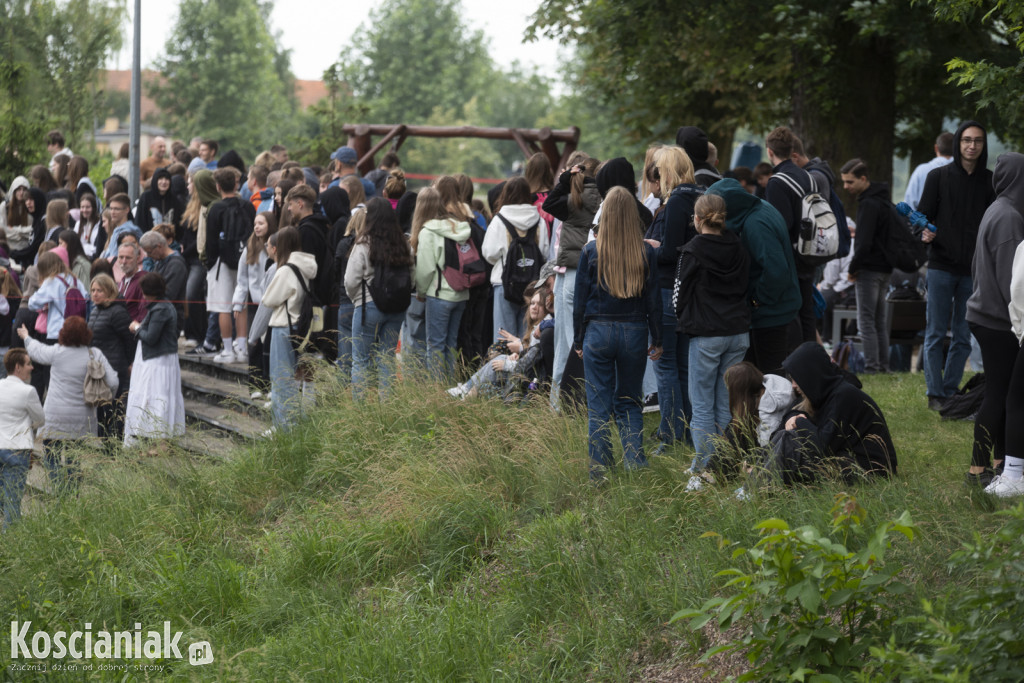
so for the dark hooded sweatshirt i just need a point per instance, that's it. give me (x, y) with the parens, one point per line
(314, 231)
(875, 218)
(848, 429)
(713, 273)
(955, 201)
(1002, 229)
(618, 172)
(167, 205)
(772, 290)
(695, 142)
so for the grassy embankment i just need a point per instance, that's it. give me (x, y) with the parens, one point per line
(429, 539)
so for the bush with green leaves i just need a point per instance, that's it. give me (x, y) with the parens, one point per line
(973, 634)
(812, 604)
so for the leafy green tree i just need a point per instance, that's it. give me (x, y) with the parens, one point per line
(852, 78)
(50, 56)
(224, 76)
(985, 82)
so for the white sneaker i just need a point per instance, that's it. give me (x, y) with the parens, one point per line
(269, 433)
(741, 494)
(225, 356)
(190, 344)
(695, 483)
(1001, 487)
(256, 395)
(457, 391)
(242, 356)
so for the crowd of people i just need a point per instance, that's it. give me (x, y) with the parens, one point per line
(574, 285)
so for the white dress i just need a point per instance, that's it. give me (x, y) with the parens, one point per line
(156, 408)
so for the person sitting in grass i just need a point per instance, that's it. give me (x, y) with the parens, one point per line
(836, 425)
(497, 375)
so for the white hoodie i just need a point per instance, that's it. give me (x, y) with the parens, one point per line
(285, 289)
(496, 239)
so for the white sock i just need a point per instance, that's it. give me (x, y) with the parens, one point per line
(229, 343)
(1013, 468)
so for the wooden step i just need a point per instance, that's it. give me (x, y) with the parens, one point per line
(224, 419)
(223, 392)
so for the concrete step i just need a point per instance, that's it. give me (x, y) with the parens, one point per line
(227, 393)
(204, 365)
(225, 419)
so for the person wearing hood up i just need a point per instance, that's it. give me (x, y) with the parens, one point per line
(519, 213)
(432, 224)
(869, 268)
(695, 142)
(711, 300)
(158, 204)
(988, 315)
(954, 199)
(284, 296)
(842, 427)
(618, 172)
(18, 220)
(772, 289)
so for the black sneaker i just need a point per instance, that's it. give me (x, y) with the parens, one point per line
(203, 350)
(651, 403)
(980, 479)
(935, 403)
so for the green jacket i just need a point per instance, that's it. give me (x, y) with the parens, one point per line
(430, 258)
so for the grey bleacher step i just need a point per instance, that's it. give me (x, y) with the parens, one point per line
(224, 419)
(228, 393)
(237, 372)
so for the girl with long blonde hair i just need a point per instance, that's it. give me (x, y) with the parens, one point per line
(616, 306)
(672, 227)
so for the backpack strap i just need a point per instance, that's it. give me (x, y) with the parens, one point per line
(305, 290)
(795, 186)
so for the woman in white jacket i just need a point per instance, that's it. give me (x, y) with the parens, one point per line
(284, 296)
(516, 206)
(249, 286)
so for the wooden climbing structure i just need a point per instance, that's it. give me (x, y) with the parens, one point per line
(530, 140)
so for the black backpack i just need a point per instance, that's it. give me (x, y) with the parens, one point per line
(903, 248)
(523, 262)
(966, 402)
(390, 289)
(463, 268)
(310, 318)
(234, 234)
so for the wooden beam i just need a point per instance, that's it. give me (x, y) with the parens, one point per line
(528, 134)
(365, 163)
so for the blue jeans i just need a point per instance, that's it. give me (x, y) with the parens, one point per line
(374, 340)
(414, 334)
(671, 372)
(873, 318)
(344, 362)
(709, 358)
(507, 316)
(947, 307)
(565, 286)
(286, 402)
(13, 474)
(443, 318)
(613, 362)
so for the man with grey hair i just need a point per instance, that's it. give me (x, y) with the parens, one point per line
(171, 265)
(130, 289)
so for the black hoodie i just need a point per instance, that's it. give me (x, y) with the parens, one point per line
(955, 202)
(875, 218)
(848, 427)
(618, 172)
(167, 205)
(713, 273)
(695, 142)
(314, 231)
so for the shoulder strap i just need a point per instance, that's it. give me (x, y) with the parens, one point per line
(302, 281)
(793, 185)
(508, 225)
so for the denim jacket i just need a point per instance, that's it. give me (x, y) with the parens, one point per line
(593, 302)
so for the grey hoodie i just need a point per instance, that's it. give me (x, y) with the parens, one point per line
(1001, 230)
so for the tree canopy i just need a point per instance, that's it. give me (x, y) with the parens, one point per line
(224, 76)
(852, 78)
(50, 56)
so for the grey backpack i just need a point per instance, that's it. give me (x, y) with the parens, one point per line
(95, 389)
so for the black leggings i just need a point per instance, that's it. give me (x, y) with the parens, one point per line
(1015, 409)
(998, 353)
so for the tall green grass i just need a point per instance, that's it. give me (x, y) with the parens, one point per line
(430, 539)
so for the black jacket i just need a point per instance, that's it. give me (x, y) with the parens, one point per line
(713, 273)
(848, 427)
(314, 231)
(110, 334)
(955, 202)
(875, 218)
(167, 204)
(576, 220)
(215, 224)
(675, 220)
(618, 172)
